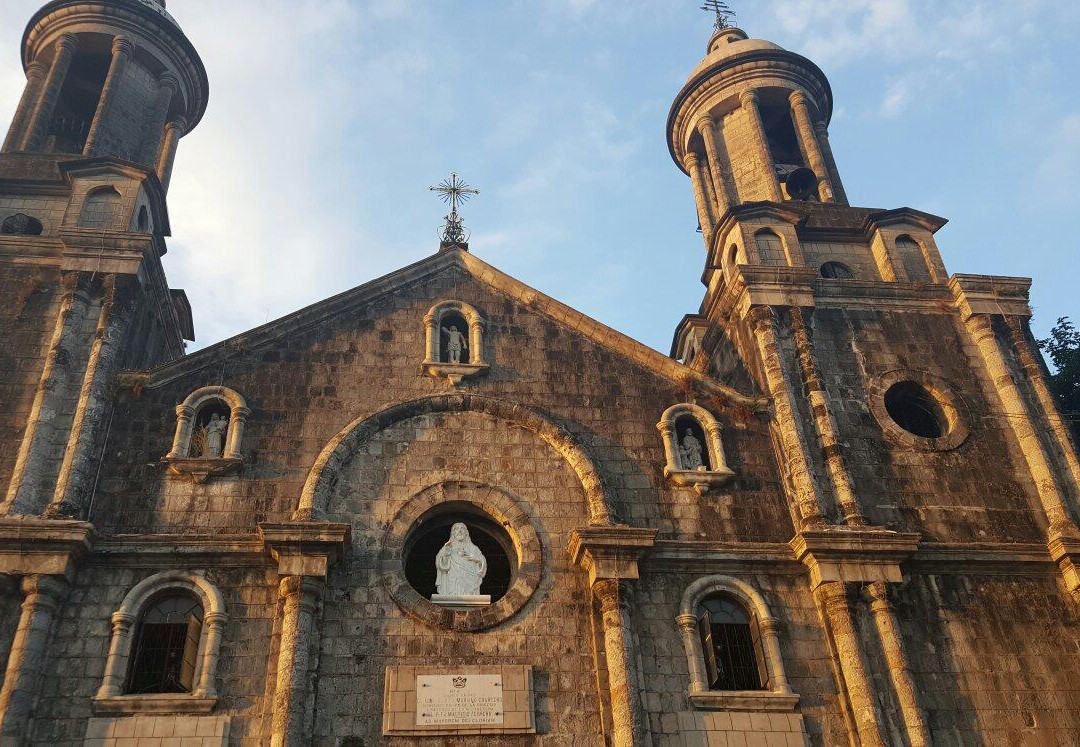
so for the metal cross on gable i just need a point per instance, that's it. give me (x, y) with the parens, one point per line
(455, 192)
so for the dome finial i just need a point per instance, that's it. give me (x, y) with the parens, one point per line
(724, 15)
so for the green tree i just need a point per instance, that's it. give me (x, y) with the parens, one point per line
(1063, 347)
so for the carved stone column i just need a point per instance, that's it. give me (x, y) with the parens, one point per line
(763, 322)
(70, 497)
(628, 719)
(822, 132)
(168, 86)
(122, 51)
(722, 200)
(834, 600)
(749, 101)
(692, 162)
(50, 92)
(825, 423)
(29, 649)
(800, 112)
(174, 130)
(290, 722)
(981, 329)
(899, 670)
(688, 626)
(35, 75)
(36, 446)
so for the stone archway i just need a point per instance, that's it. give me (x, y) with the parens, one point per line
(315, 496)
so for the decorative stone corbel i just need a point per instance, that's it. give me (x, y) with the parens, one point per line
(305, 548)
(1066, 553)
(853, 555)
(29, 545)
(610, 552)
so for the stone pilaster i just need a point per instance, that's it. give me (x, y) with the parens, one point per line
(50, 92)
(692, 162)
(70, 497)
(763, 322)
(899, 669)
(800, 113)
(174, 130)
(168, 86)
(825, 422)
(822, 132)
(615, 600)
(29, 649)
(749, 101)
(35, 449)
(981, 328)
(122, 51)
(838, 615)
(290, 722)
(716, 167)
(35, 75)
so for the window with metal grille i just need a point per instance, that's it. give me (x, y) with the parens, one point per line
(730, 644)
(166, 646)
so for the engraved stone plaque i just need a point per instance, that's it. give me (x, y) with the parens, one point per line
(459, 700)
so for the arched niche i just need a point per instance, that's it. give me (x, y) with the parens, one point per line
(451, 350)
(693, 448)
(206, 409)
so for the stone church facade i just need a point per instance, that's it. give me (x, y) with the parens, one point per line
(843, 510)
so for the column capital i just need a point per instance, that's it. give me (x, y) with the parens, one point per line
(749, 97)
(185, 411)
(799, 98)
(67, 43)
(704, 122)
(122, 620)
(691, 159)
(686, 622)
(613, 594)
(43, 590)
(821, 128)
(123, 46)
(36, 69)
(300, 586)
(178, 125)
(168, 80)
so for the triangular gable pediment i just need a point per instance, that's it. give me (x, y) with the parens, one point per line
(482, 272)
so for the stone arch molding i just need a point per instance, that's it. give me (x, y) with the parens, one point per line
(768, 627)
(496, 504)
(315, 497)
(110, 695)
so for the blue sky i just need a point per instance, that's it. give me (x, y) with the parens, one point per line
(329, 119)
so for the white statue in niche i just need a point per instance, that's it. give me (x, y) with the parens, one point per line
(691, 452)
(215, 436)
(460, 568)
(455, 343)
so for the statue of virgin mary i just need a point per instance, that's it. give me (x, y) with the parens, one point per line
(460, 566)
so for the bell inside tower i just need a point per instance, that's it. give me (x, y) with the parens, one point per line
(70, 123)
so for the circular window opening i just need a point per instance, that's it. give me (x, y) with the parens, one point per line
(916, 410)
(432, 535)
(836, 271)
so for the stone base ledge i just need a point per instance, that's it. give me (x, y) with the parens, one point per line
(163, 703)
(200, 470)
(700, 480)
(455, 372)
(752, 701)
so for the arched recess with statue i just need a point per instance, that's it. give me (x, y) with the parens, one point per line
(404, 478)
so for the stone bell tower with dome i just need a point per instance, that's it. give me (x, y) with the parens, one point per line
(443, 507)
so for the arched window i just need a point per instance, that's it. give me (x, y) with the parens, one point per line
(911, 257)
(692, 446)
(209, 431)
(142, 223)
(732, 260)
(101, 209)
(732, 645)
(454, 341)
(166, 646)
(21, 224)
(836, 271)
(165, 641)
(729, 644)
(770, 248)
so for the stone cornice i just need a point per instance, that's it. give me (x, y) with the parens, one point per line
(862, 555)
(990, 294)
(46, 546)
(305, 548)
(610, 552)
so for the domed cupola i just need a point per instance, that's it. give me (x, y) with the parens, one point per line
(750, 125)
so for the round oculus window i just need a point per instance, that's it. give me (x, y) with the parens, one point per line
(441, 559)
(916, 410)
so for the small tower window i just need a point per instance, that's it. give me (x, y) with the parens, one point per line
(142, 224)
(21, 224)
(730, 645)
(915, 410)
(836, 271)
(101, 209)
(78, 102)
(781, 135)
(167, 646)
(911, 256)
(770, 248)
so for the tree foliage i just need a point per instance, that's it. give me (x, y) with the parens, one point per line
(1063, 347)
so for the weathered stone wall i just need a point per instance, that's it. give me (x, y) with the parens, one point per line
(80, 644)
(123, 132)
(945, 495)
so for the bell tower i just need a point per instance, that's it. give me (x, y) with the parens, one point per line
(111, 87)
